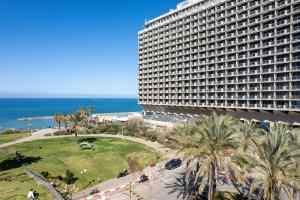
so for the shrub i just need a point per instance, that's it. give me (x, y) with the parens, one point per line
(151, 135)
(45, 174)
(10, 131)
(61, 133)
(60, 178)
(108, 128)
(69, 178)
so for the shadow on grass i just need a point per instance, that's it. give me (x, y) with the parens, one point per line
(89, 140)
(13, 163)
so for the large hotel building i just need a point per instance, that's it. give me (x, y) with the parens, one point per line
(240, 57)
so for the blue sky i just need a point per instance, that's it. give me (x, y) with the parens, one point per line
(72, 48)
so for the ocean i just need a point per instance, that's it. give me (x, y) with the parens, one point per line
(11, 109)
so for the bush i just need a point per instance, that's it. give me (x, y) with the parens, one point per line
(69, 178)
(60, 178)
(45, 174)
(151, 135)
(61, 133)
(109, 128)
(10, 131)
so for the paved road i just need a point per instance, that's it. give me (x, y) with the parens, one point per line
(167, 186)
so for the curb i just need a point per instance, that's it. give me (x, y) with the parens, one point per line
(103, 195)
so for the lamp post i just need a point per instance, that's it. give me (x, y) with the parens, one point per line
(14, 132)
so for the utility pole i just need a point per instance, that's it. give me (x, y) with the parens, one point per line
(130, 190)
(14, 131)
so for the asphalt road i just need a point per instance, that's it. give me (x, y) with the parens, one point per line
(167, 187)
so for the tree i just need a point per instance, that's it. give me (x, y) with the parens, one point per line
(184, 135)
(65, 120)
(76, 120)
(275, 161)
(133, 163)
(58, 118)
(248, 131)
(214, 142)
(135, 126)
(91, 110)
(69, 178)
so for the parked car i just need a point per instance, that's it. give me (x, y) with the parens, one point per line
(173, 164)
(143, 178)
(123, 173)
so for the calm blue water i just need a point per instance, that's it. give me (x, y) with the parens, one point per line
(11, 109)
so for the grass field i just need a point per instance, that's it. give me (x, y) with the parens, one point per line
(4, 138)
(58, 155)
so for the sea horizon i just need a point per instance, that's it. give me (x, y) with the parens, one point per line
(13, 108)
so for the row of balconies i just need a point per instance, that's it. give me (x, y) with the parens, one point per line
(220, 22)
(241, 77)
(220, 45)
(229, 24)
(228, 81)
(204, 87)
(230, 87)
(259, 61)
(169, 53)
(221, 71)
(221, 55)
(188, 37)
(255, 93)
(230, 69)
(232, 11)
(225, 44)
(235, 104)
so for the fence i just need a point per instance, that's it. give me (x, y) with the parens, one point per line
(40, 179)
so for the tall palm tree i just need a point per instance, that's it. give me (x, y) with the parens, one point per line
(184, 135)
(248, 131)
(214, 142)
(85, 115)
(76, 120)
(274, 162)
(91, 110)
(58, 118)
(65, 120)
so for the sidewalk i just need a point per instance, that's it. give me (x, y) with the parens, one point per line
(40, 134)
(115, 184)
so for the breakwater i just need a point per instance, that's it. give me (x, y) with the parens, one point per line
(35, 118)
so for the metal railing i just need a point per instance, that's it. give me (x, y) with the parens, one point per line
(37, 177)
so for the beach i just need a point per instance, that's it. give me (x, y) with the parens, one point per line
(28, 114)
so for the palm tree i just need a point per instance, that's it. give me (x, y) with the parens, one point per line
(184, 135)
(76, 120)
(275, 164)
(214, 142)
(65, 120)
(85, 115)
(91, 110)
(58, 118)
(248, 131)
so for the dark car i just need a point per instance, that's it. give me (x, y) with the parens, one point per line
(123, 173)
(173, 164)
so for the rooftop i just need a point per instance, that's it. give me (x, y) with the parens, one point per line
(180, 7)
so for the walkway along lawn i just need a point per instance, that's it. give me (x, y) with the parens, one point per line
(4, 138)
(58, 155)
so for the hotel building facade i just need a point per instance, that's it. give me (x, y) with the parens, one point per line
(239, 57)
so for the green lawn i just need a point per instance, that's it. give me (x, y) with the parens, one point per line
(4, 138)
(57, 155)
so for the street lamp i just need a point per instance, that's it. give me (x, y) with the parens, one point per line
(14, 132)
